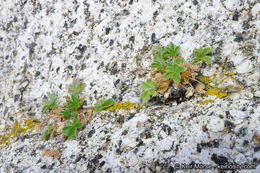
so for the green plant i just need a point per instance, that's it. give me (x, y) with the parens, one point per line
(201, 55)
(169, 65)
(47, 132)
(70, 129)
(149, 86)
(174, 70)
(68, 113)
(103, 104)
(50, 102)
(75, 102)
(76, 87)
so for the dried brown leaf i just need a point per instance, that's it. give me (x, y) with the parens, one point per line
(199, 88)
(55, 154)
(54, 114)
(39, 127)
(189, 92)
(60, 126)
(163, 84)
(89, 114)
(257, 137)
(53, 132)
(82, 118)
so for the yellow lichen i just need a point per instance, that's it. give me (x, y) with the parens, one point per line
(212, 86)
(126, 105)
(20, 127)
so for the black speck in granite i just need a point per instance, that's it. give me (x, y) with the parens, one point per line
(245, 142)
(16, 97)
(199, 148)
(174, 33)
(50, 167)
(124, 132)
(60, 86)
(90, 134)
(83, 66)
(116, 82)
(100, 65)
(167, 129)
(81, 48)
(22, 89)
(131, 116)
(256, 149)
(220, 160)
(107, 31)
(196, 26)
(37, 73)
(111, 42)
(153, 38)
(180, 20)
(238, 38)
(195, 2)
(155, 13)
(6, 110)
(43, 167)
(57, 70)
(102, 164)
(246, 25)
(235, 16)
(78, 57)
(109, 170)
(243, 131)
(229, 125)
(126, 12)
(123, 65)
(131, 2)
(70, 67)
(132, 39)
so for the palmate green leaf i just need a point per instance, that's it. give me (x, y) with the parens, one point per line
(70, 129)
(50, 102)
(68, 113)
(201, 55)
(158, 49)
(76, 87)
(75, 102)
(149, 86)
(179, 60)
(103, 104)
(174, 72)
(157, 64)
(172, 50)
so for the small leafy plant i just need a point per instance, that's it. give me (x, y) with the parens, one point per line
(70, 117)
(103, 104)
(149, 88)
(170, 68)
(50, 102)
(76, 87)
(70, 129)
(201, 55)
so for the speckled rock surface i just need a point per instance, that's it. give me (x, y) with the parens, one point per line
(45, 44)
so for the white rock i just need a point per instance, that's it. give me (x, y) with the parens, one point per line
(72, 147)
(257, 94)
(216, 124)
(231, 85)
(245, 67)
(256, 10)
